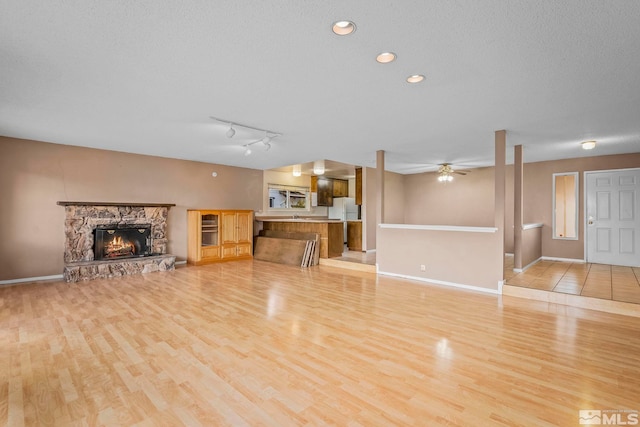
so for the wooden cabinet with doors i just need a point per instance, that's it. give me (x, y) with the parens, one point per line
(340, 188)
(218, 235)
(354, 235)
(325, 192)
(237, 234)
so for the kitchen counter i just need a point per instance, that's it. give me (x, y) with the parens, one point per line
(331, 231)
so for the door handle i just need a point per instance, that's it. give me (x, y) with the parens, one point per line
(590, 220)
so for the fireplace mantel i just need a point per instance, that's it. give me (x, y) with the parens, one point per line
(150, 205)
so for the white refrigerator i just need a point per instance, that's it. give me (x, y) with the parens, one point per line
(344, 209)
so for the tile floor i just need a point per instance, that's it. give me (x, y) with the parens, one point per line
(359, 257)
(603, 281)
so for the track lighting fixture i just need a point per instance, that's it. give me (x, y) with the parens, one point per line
(266, 141)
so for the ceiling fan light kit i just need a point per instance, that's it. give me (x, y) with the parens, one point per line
(445, 173)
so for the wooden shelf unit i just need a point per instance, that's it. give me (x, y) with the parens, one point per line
(219, 235)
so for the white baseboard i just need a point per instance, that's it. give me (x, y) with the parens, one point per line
(31, 279)
(180, 262)
(551, 258)
(445, 283)
(520, 270)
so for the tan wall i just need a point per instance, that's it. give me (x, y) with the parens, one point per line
(393, 198)
(538, 183)
(35, 175)
(463, 258)
(531, 245)
(468, 200)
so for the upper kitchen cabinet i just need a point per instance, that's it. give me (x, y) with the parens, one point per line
(340, 188)
(325, 192)
(358, 186)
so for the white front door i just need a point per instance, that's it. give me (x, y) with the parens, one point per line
(613, 217)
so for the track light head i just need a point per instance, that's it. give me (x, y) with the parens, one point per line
(266, 140)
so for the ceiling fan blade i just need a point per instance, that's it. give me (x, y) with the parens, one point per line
(460, 172)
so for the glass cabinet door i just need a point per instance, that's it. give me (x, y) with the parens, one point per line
(210, 230)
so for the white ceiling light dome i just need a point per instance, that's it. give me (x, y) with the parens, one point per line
(318, 167)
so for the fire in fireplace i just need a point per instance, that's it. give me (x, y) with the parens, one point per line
(118, 241)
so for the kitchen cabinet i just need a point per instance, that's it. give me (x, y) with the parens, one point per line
(340, 188)
(237, 234)
(218, 235)
(325, 192)
(358, 186)
(331, 232)
(354, 235)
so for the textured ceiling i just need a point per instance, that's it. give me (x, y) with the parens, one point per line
(144, 77)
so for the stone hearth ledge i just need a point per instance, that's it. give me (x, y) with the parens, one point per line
(89, 270)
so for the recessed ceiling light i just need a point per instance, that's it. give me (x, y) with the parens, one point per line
(386, 57)
(588, 145)
(416, 78)
(343, 28)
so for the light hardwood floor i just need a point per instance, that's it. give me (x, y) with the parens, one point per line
(253, 343)
(602, 281)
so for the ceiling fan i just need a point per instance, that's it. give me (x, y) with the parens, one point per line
(445, 172)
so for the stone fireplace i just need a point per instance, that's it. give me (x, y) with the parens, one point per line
(104, 239)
